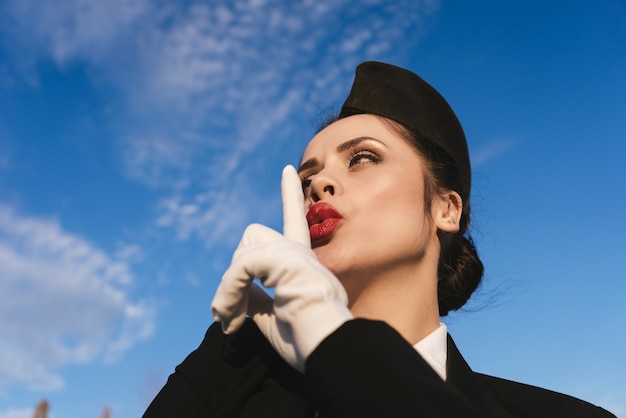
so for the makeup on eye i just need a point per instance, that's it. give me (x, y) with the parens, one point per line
(362, 156)
(356, 157)
(357, 152)
(346, 146)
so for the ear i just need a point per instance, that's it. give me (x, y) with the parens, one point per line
(446, 211)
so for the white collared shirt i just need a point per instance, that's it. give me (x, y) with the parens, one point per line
(434, 349)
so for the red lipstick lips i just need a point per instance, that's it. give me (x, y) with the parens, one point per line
(322, 218)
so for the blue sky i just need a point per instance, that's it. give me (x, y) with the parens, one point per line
(138, 138)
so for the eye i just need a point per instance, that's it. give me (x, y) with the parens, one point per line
(363, 157)
(306, 183)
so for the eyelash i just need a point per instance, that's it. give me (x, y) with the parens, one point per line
(360, 154)
(353, 160)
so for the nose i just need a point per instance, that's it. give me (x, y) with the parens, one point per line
(323, 186)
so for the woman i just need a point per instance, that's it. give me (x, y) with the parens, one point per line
(359, 282)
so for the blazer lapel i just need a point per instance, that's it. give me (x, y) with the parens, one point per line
(463, 378)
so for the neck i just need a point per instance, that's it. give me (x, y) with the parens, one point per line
(405, 298)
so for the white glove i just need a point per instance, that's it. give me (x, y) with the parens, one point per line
(309, 301)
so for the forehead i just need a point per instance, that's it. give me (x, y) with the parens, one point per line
(349, 128)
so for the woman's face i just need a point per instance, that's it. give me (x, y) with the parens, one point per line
(373, 181)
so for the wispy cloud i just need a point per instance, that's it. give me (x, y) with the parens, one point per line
(17, 413)
(71, 29)
(492, 150)
(224, 79)
(201, 92)
(62, 301)
(152, 159)
(207, 68)
(211, 216)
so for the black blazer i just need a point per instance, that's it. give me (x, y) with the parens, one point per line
(364, 369)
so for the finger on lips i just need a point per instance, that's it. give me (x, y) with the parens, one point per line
(295, 226)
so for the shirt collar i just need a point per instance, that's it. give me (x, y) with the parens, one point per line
(434, 349)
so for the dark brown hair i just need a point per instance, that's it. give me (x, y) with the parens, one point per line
(460, 269)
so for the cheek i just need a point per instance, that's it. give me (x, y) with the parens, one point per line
(398, 204)
(396, 219)
(385, 222)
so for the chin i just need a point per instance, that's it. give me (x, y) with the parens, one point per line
(329, 258)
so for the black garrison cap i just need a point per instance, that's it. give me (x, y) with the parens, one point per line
(400, 95)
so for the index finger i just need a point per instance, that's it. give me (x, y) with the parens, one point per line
(295, 226)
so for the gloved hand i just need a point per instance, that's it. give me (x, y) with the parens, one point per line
(309, 301)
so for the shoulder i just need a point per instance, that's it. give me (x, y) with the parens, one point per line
(527, 400)
(232, 375)
(243, 352)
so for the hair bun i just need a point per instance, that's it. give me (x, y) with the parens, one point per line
(460, 273)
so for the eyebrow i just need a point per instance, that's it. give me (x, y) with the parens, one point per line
(312, 162)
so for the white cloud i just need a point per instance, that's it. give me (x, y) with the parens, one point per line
(62, 301)
(210, 216)
(71, 29)
(492, 151)
(217, 64)
(209, 84)
(17, 413)
(129, 253)
(151, 159)
(252, 70)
